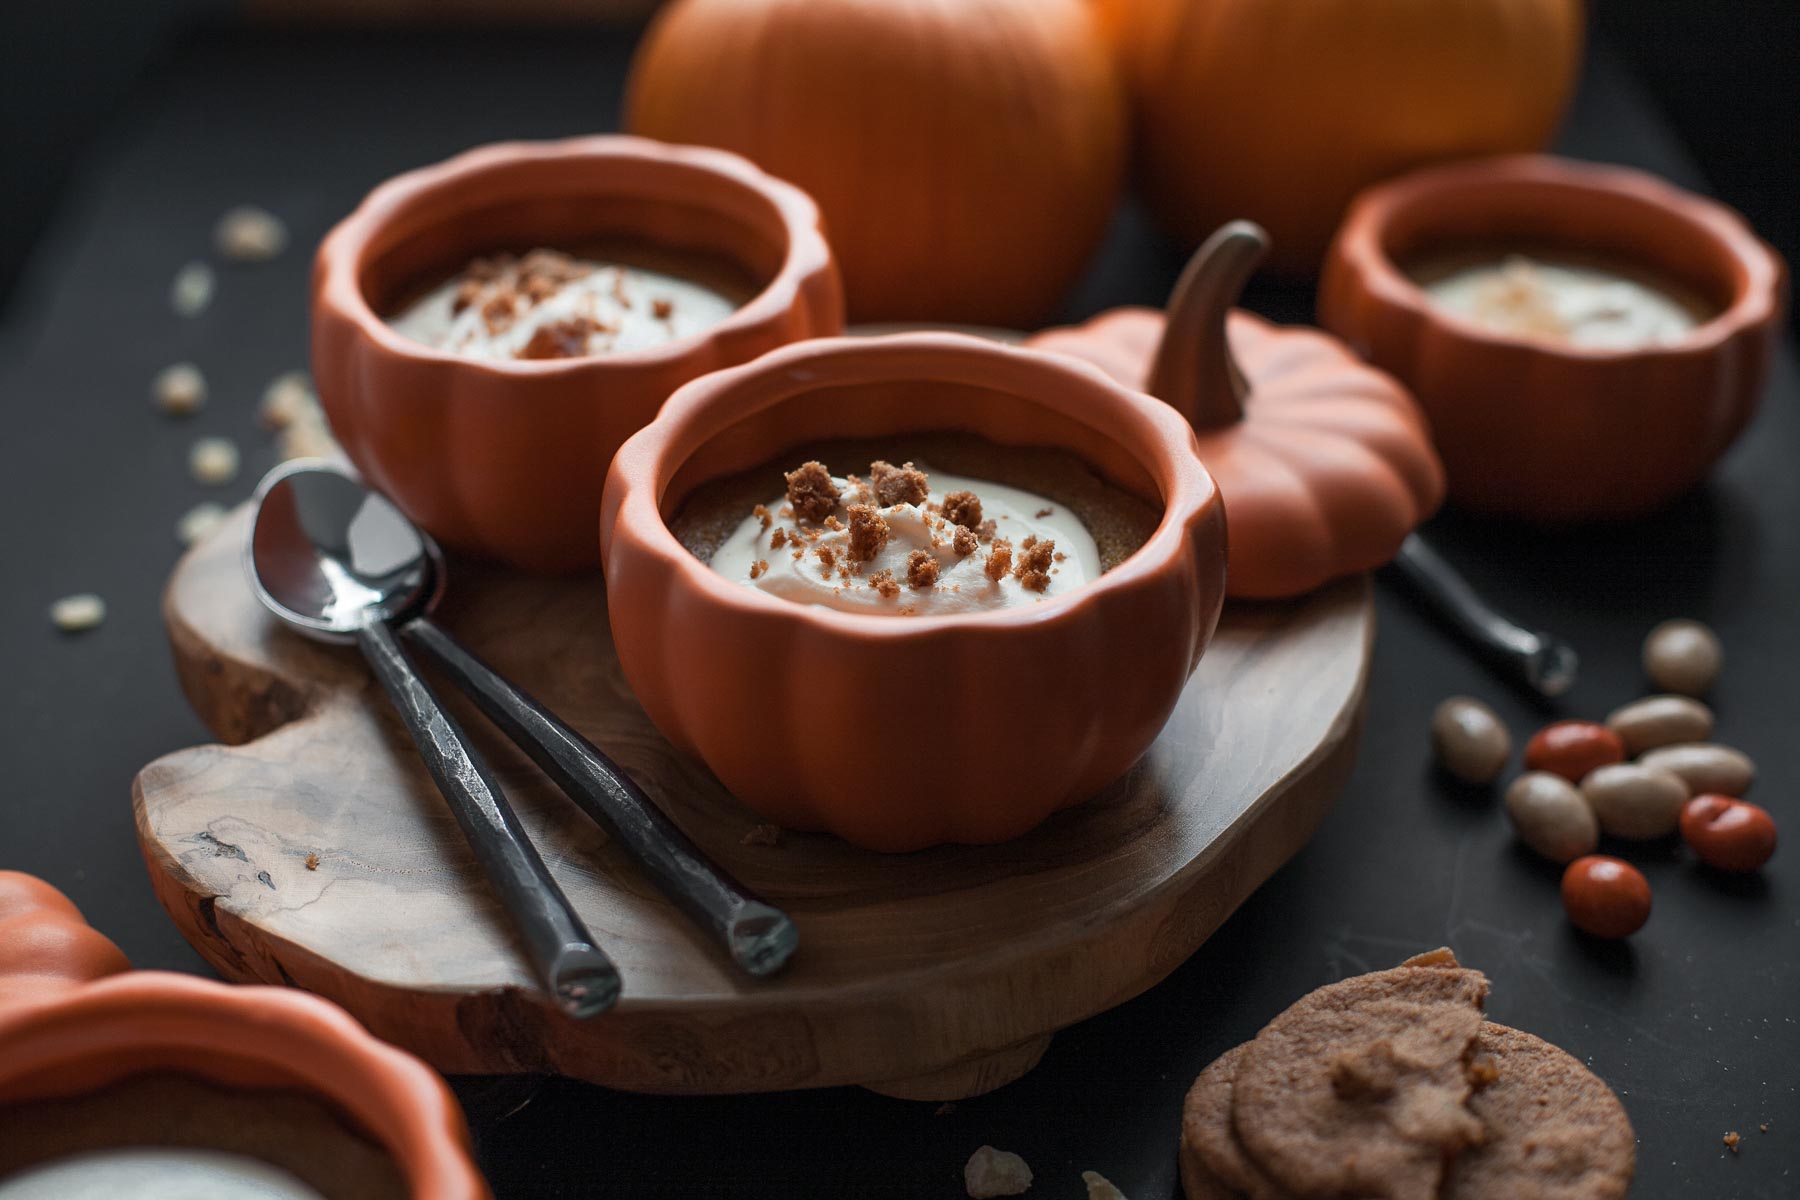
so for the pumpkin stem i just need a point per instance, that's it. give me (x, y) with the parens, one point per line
(1195, 372)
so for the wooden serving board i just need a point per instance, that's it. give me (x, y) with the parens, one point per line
(311, 849)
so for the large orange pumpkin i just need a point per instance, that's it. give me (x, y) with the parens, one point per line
(1324, 463)
(1281, 110)
(966, 153)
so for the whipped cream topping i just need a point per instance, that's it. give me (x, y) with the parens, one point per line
(551, 305)
(809, 562)
(1579, 305)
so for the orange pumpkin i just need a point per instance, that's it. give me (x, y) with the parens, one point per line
(45, 945)
(1281, 110)
(966, 155)
(1324, 463)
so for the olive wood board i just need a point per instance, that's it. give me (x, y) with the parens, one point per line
(311, 849)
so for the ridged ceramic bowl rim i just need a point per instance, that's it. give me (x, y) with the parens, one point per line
(105, 1021)
(1362, 243)
(344, 253)
(650, 460)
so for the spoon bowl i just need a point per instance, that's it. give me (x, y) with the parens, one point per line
(331, 558)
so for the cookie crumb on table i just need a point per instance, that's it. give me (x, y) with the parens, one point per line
(213, 461)
(991, 1172)
(179, 390)
(898, 485)
(1099, 1187)
(250, 234)
(811, 491)
(192, 289)
(312, 862)
(1731, 1141)
(762, 835)
(78, 613)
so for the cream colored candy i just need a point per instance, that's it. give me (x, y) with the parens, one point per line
(1705, 767)
(179, 390)
(1632, 800)
(213, 461)
(288, 398)
(1551, 816)
(1660, 721)
(1469, 739)
(1683, 656)
(78, 613)
(991, 1172)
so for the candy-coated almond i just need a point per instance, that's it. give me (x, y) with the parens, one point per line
(1705, 767)
(1573, 748)
(1732, 835)
(1606, 897)
(1635, 801)
(1683, 656)
(1660, 721)
(1551, 816)
(1470, 741)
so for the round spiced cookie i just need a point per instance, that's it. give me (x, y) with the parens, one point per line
(1213, 1163)
(1361, 1087)
(1554, 1130)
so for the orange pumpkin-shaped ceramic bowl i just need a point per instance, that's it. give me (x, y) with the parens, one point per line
(75, 1021)
(900, 732)
(1533, 426)
(506, 457)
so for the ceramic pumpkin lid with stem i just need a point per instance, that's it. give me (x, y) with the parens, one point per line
(1325, 464)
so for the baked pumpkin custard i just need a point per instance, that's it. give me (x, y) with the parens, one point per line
(929, 525)
(548, 304)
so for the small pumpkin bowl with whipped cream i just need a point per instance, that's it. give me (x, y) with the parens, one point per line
(912, 589)
(1586, 340)
(488, 330)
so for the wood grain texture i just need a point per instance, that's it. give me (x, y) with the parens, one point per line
(930, 975)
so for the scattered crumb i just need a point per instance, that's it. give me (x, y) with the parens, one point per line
(662, 309)
(868, 533)
(250, 234)
(213, 461)
(312, 862)
(1483, 1070)
(944, 1109)
(991, 1172)
(1041, 513)
(1731, 1141)
(1099, 1187)
(962, 508)
(761, 513)
(986, 530)
(762, 835)
(1033, 568)
(827, 557)
(833, 524)
(78, 613)
(921, 569)
(199, 521)
(898, 485)
(758, 567)
(964, 541)
(812, 492)
(192, 289)
(288, 398)
(999, 560)
(778, 539)
(179, 390)
(1764, 1127)
(499, 311)
(885, 584)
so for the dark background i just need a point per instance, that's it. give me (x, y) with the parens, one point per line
(127, 130)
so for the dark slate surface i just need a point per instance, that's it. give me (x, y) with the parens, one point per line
(1693, 1021)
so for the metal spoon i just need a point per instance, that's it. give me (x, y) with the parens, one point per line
(758, 937)
(342, 565)
(1542, 662)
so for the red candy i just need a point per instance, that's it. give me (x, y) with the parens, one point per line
(1730, 834)
(1606, 897)
(1573, 748)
